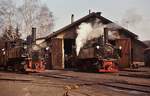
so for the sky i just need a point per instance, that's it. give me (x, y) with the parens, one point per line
(132, 14)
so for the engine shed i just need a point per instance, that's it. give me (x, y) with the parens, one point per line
(62, 43)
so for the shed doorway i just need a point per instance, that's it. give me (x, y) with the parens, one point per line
(69, 53)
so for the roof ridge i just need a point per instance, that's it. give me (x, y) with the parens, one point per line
(96, 14)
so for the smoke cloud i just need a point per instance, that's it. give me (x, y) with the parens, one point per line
(137, 22)
(113, 33)
(131, 18)
(83, 32)
(113, 26)
(88, 31)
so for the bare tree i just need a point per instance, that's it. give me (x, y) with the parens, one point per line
(10, 34)
(35, 14)
(30, 13)
(7, 18)
(7, 11)
(45, 21)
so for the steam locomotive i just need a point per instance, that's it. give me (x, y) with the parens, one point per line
(19, 55)
(99, 55)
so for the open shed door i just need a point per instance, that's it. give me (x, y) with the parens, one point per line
(57, 54)
(125, 59)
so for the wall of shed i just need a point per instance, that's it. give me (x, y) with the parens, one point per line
(147, 57)
(138, 52)
(57, 53)
(137, 49)
(2, 44)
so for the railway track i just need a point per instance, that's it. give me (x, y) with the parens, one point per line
(108, 83)
(117, 85)
(82, 82)
(128, 87)
(138, 89)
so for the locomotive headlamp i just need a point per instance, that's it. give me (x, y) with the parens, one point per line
(47, 48)
(97, 46)
(120, 47)
(3, 49)
(25, 47)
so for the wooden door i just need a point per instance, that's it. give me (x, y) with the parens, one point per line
(57, 54)
(125, 59)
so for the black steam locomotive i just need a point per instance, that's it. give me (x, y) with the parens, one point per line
(98, 55)
(99, 58)
(19, 55)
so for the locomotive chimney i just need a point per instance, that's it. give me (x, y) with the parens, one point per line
(33, 35)
(72, 18)
(105, 35)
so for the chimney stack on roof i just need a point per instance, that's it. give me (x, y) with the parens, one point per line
(89, 11)
(72, 18)
(98, 13)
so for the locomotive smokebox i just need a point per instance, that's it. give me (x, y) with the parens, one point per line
(33, 35)
(105, 35)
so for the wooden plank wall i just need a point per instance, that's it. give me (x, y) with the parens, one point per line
(138, 52)
(9, 53)
(57, 53)
(125, 59)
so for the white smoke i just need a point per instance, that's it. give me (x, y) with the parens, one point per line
(112, 26)
(113, 34)
(88, 31)
(83, 32)
(137, 22)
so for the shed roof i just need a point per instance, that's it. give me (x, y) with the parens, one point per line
(141, 43)
(91, 15)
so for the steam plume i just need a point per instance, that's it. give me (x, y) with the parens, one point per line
(113, 26)
(113, 33)
(137, 22)
(88, 31)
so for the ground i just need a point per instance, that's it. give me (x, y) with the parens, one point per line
(71, 83)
